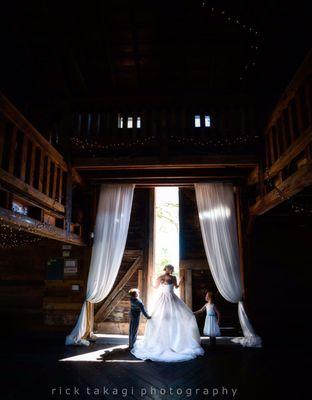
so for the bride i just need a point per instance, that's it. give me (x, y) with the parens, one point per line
(172, 334)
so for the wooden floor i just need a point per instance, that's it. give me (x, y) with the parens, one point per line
(32, 367)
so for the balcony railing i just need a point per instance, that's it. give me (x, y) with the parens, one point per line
(34, 171)
(287, 163)
(233, 126)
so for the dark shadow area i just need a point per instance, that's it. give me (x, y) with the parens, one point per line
(31, 368)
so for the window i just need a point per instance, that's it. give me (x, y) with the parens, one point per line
(207, 121)
(120, 121)
(197, 121)
(199, 118)
(130, 122)
(138, 122)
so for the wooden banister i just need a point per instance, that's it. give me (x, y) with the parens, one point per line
(24, 172)
(33, 172)
(288, 138)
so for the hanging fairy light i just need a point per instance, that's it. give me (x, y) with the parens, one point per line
(295, 206)
(13, 237)
(254, 34)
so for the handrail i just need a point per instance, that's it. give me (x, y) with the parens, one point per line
(289, 129)
(11, 112)
(28, 162)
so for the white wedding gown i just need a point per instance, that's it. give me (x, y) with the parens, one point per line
(172, 334)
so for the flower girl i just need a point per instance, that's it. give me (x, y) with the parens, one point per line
(212, 320)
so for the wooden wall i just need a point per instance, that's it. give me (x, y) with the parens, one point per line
(28, 301)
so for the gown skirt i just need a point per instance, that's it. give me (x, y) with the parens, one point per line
(172, 334)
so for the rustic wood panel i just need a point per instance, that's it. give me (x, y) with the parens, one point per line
(27, 299)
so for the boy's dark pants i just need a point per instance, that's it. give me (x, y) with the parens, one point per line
(133, 329)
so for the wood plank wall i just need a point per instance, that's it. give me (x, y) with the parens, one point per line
(27, 300)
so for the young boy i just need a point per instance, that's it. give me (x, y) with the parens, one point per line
(137, 307)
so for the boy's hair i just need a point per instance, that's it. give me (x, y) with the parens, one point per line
(133, 292)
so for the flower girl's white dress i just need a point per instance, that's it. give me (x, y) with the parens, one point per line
(211, 327)
(172, 333)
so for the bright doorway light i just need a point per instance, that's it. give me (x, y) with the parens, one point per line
(166, 245)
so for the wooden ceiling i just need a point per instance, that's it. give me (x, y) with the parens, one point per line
(77, 50)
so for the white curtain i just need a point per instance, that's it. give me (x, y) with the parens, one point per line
(216, 208)
(110, 235)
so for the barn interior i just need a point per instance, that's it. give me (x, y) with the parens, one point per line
(159, 94)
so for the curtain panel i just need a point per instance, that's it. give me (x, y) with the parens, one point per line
(110, 235)
(216, 209)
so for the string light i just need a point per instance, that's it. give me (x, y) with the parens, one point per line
(252, 31)
(226, 142)
(84, 144)
(13, 237)
(296, 207)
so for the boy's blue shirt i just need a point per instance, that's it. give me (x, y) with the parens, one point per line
(137, 307)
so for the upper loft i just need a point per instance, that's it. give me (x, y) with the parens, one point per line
(72, 71)
(150, 93)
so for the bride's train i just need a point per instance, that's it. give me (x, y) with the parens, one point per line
(172, 334)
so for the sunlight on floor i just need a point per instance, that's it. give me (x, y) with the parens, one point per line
(98, 355)
(94, 356)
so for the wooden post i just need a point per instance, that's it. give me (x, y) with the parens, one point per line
(32, 164)
(188, 288)
(182, 284)
(60, 186)
(47, 187)
(69, 194)
(24, 157)
(151, 234)
(140, 280)
(41, 167)
(12, 151)
(56, 168)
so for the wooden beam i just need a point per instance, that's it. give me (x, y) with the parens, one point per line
(32, 226)
(191, 264)
(292, 185)
(153, 163)
(77, 178)
(253, 177)
(105, 308)
(296, 148)
(28, 190)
